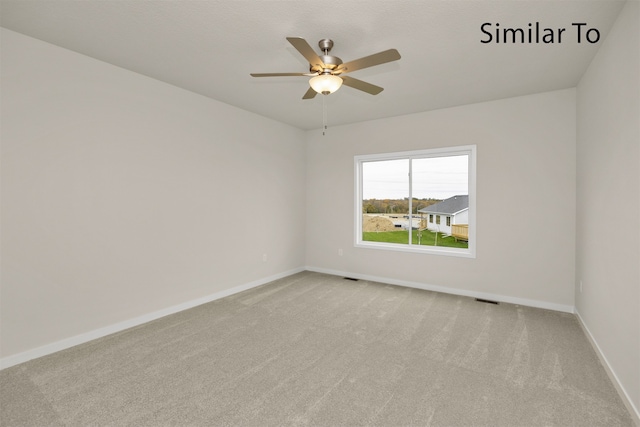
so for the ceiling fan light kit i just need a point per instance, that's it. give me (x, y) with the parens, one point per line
(325, 83)
(327, 70)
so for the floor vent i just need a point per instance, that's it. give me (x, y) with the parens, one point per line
(488, 301)
(351, 278)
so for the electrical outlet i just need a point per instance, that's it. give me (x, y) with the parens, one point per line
(264, 257)
(340, 252)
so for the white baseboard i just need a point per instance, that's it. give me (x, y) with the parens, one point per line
(64, 344)
(512, 300)
(446, 290)
(635, 413)
(44, 350)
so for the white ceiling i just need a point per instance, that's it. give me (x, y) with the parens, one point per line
(210, 47)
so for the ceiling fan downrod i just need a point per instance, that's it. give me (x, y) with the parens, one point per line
(329, 62)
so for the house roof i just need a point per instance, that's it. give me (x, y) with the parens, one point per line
(449, 206)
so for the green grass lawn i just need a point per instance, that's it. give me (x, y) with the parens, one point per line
(428, 238)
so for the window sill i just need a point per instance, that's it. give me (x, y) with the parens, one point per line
(429, 250)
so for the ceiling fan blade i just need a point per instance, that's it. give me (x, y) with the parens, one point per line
(277, 74)
(369, 61)
(360, 85)
(307, 51)
(310, 94)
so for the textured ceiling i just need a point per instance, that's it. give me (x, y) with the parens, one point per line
(210, 47)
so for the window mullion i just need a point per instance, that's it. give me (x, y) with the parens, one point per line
(410, 201)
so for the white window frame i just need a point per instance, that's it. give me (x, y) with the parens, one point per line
(469, 150)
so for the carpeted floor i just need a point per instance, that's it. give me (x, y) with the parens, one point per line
(314, 349)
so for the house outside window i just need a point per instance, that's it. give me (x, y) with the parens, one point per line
(400, 190)
(456, 211)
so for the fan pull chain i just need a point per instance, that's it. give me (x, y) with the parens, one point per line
(324, 114)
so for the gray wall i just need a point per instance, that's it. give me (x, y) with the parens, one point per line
(525, 198)
(122, 195)
(608, 169)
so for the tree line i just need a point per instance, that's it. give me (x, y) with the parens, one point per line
(399, 206)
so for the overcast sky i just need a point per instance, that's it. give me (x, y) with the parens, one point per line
(436, 177)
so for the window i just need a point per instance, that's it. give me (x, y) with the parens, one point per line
(397, 192)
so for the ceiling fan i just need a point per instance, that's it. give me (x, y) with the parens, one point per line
(327, 72)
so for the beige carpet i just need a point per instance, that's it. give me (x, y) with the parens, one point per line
(314, 349)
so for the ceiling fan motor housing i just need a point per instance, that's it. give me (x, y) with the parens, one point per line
(330, 62)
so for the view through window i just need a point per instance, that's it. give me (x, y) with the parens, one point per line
(419, 201)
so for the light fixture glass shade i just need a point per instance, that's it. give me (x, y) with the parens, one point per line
(325, 83)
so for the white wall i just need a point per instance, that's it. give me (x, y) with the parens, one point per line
(608, 184)
(525, 163)
(122, 195)
(442, 227)
(461, 218)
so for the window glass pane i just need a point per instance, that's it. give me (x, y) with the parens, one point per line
(440, 188)
(385, 201)
(417, 201)
(439, 178)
